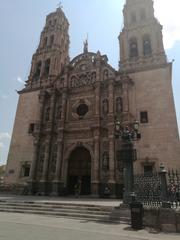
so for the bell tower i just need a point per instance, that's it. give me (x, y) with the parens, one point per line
(141, 40)
(52, 53)
(143, 58)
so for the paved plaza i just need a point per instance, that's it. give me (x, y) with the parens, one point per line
(15, 226)
(33, 227)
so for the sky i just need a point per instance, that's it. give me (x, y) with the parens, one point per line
(21, 23)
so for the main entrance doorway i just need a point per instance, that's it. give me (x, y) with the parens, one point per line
(79, 169)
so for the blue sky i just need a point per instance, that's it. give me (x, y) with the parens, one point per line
(21, 23)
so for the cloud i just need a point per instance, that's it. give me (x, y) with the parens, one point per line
(167, 13)
(19, 79)
(4, 143)
(1, 145)
(4, 96)
(4, 136)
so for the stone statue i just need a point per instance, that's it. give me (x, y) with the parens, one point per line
(86, 46)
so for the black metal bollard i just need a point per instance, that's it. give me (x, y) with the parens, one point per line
(136, 215)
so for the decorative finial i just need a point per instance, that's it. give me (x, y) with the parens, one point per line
(86, 45)
(60, 5)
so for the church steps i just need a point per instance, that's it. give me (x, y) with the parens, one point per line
(90, 212)
(57, 210)
(59, 206)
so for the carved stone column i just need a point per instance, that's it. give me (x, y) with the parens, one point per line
(96, 165)
(125, 88)
(59, 160)
(32, 174)
(111, 98)
(111, 160)
(56, 182)
(64, 100)
(32, 178)
(97, 99)
(111, 138)
(112, 163)
(61, 125)
(52, 104)
(43, 181)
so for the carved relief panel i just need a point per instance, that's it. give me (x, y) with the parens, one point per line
(82, 79)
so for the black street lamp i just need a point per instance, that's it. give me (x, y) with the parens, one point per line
(128, 135)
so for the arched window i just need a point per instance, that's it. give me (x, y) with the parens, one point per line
(147, 46)
(55, 21)
(133, 47)
(38, 69)
(51, 40)
(47, 67)
(45, 42)
(105, 108)
(133, 17)
(119, 105)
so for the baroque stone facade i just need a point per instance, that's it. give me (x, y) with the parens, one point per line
(64, 126)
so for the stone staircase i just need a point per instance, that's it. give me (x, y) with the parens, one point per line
(67, 210)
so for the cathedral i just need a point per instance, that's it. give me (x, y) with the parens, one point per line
(64, 129)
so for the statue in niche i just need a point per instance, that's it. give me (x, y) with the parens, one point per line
(105, 74)
(105, 162)
(105, 108)
(119, 105)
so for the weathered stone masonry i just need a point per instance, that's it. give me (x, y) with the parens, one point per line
(64, 126)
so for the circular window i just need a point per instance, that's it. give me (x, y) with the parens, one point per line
(82, 109)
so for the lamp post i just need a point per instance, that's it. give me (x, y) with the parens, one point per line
(128, 135)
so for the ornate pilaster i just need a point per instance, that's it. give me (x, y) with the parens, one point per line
(96, 164)
(56, 182)
(64, 101)
(111, 98)
(111, 160)
(33, 173)
(59, 161)
(42, 187)
(46, 160)
(52, 104)
(125, 88)
(97, 99)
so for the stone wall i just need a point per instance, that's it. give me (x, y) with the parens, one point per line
(21, 147)
(160, 139)
(164, 219)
